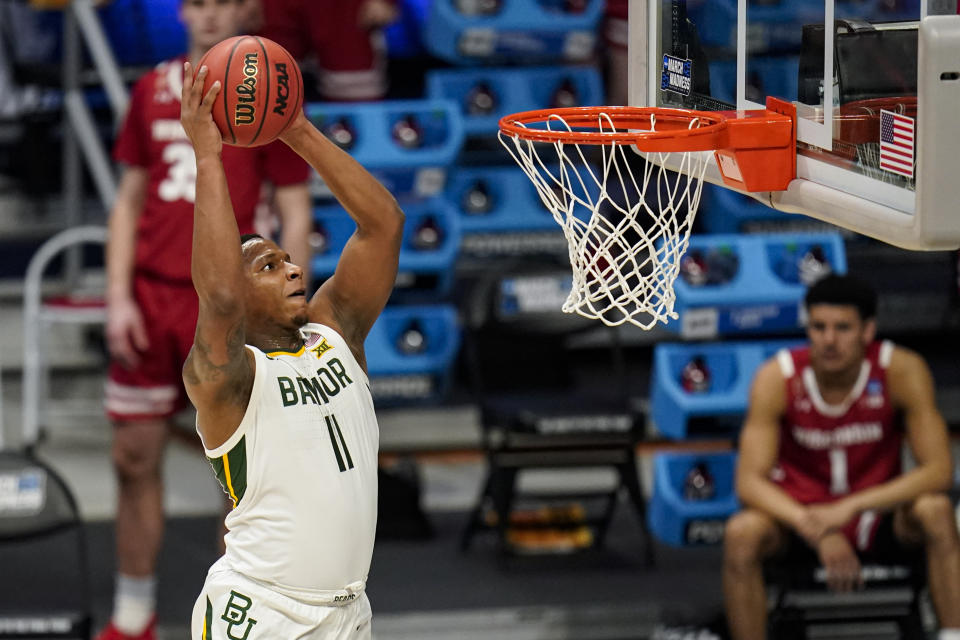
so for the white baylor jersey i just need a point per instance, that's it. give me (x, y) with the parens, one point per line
(301, 470)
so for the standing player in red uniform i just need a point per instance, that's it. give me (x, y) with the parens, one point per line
(343, 38)
(820, 458)
(152, 304)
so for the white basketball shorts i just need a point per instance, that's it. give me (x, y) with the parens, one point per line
(234, 606)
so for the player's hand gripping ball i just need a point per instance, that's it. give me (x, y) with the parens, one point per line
(262, 89)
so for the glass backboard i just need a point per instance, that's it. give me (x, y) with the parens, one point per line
(875, 140)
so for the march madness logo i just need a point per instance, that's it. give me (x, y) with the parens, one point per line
(676, 75)
(873, 395)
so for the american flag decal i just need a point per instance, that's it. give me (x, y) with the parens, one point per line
(896, 143)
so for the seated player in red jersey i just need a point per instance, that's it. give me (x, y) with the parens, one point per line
(820, 461)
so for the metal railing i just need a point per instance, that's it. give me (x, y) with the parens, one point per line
(35, 319)
(82, 145)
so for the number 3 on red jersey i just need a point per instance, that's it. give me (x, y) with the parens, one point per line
(181, 180)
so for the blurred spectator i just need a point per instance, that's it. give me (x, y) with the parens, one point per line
(152, 304)
(8, 97)
(342, 38)
(24, 39)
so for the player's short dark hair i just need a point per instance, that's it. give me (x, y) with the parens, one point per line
(249, 236)
(843, 290)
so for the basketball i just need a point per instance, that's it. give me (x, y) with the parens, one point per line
(261, 89)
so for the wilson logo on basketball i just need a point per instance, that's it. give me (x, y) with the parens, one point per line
(245, 111)
(283, 88)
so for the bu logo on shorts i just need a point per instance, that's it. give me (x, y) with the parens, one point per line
(235, 615)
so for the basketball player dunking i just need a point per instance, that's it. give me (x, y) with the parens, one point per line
(283, 403)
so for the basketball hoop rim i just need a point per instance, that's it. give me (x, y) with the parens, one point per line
(632, 126)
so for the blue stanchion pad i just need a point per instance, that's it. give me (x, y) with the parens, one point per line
(732, 366)
(764, 293)
(511, 90)
(418, 171)
(512, 200)
(398, 374)
(678, 521)
(423, 270)
(518, 31)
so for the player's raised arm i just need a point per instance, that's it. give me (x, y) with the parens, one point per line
(218, 373)
(351, 300)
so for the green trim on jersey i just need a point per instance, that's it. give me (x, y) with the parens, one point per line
(231, 471)
(208, 622)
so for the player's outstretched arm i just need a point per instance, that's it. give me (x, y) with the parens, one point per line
(218, 373)
(351, 300)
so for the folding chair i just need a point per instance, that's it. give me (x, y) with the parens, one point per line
(44, 592)
(887, 607)
(545, 404)
(44, 581)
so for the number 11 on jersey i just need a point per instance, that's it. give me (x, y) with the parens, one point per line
(344, 461)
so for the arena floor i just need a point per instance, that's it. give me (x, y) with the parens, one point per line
(419, 588)
(424, 588)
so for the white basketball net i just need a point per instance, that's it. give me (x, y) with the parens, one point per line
(625, 236)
